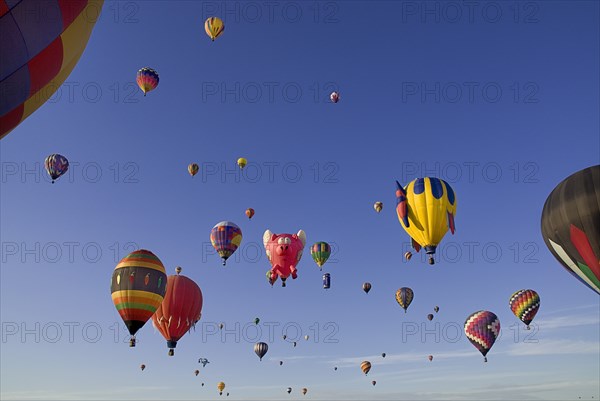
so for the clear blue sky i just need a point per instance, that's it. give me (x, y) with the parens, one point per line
(502, 103)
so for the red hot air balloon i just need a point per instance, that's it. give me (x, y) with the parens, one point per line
(179, 311)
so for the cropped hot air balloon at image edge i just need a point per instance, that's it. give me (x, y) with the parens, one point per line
(225, 238)
(571, 225)
(426, 209)
(38, 57)
(180, 310)
(138, 287)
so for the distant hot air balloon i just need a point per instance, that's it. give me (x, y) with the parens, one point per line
(408, 255)
(138, 299)
(179, 311)
(203, 384)
(430, 317)
(242, 162)
(373, 382)
(334, 97)
(482, 328)
(320, 252)
(306, 337)
(270, 277)
(404, 296)
(221, 325)
(289, 390)
(367, 287)
(280, 363)
(383, 355)
(193, 169)
(214, 27)
(326, 281)
(525, 304)
(366, 367)
(430, 357)
(436, 309)
(142, 366)
(249, 212)
(261, 349)
(335, 368)
(147, 79)
(378, 206)
(284, 336)
(56, 165)
(571, 225)
(42, 41)
(178, 269)
(294, 343)
(196, 372)
(203, 361)
(225, 238)
(221, 387)
(256, 320)
(426, 209)
(304, 391)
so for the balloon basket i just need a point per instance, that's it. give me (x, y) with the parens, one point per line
(171, 352)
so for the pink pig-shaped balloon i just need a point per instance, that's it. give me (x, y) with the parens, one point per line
(284, 252)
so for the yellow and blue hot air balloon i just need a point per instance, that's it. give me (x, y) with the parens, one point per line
(42, 41)
(426, 209)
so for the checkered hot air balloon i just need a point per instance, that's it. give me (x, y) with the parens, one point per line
(525, 304)
(482, 328)
(225, 238)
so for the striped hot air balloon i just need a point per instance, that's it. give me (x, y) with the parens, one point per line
(225, 238)
(404, 296)
(138, 286)
(214, 27)
(147, 79)
(525, 305)
(41, 43)
(482, 328)
(320, 252)
(261, 349)
(366, 367)
(193, 169)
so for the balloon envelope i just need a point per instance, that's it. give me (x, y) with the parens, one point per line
(525, 305)
(261, 349)
(482, 328)
(147, 79)
(571, 225)
(320, 252)
(214, 27)
(366, 287)
(42, 42)
(404, 296)
(56, 165)
(365, 366)
(193, 169)
(225, 238)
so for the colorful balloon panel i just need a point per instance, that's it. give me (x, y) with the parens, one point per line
(225, 238)
(571, 225)
(138, 286)
(404, 296)
(38, 53)
(320, 252)
(482, 328)
(525, 305)
(426, 209)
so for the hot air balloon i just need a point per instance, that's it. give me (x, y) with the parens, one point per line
(178, 269)
(525, 304)
(335, 368)
(571, 225)
(179, 311)
(214, 27)
(147, 79)
(56, 165)
(249, 213)
(482, 328)
(221, 387)
(367, 287)
(261, 349)
(142, 366)
(404, 297)
(138, 286)
(294, 343)
(221, 325)
(203, 361)
(196, 372)
(280, 363)
(334, 97)
(242, 162)
(284, 336)
(202, 384)
(304, 391)
(225, 238)
(42, 42)
(193, 169)
(289, 390)
(430, 317)
(326, 281)
(383, 355)
(306, 337)
(366, 367)
(270, 277)
(426, 209)
(378, 206)
(320, 252)
(436, 309)
(373, 382)
(408, 255)
(256, 320)
(430, 357)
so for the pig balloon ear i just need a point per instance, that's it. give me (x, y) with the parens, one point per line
(267, 237)
(302, 237)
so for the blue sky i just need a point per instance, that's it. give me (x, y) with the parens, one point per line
(502, 106)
